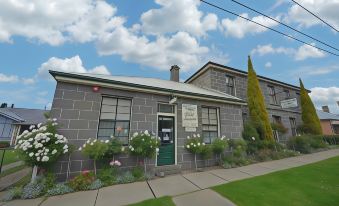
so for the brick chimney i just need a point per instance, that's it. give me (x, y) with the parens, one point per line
(175, 73)
(326, 109)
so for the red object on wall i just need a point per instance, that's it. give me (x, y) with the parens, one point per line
(95, 88)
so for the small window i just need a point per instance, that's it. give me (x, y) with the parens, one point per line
(276, 120)
(286, 94)
(230, 85)
(165, 108)
(115, 119)
(272, 95)
(293, 126)
(210, 124)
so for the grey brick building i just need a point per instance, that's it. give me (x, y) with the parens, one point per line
(98, 106)
(233, 81)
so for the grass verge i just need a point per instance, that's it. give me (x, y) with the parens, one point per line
(162, 201)
(313, 185)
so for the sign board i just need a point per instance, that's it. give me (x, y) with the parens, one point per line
(190, 129)
(189, 115)
(289, 103)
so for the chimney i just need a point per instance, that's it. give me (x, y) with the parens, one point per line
(338, 103)
(12, 106)
(325, 109)
(175, 73)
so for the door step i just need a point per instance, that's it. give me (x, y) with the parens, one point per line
(161, 171)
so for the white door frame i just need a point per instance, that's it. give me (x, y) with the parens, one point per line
(175, 132)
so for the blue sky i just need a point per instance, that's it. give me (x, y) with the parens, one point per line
(144, 38)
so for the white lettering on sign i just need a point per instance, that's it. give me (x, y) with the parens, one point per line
(289, 103)
(189, 115)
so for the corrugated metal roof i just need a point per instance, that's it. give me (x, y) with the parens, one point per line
(24, 116)
(152, 83)
(325, 115)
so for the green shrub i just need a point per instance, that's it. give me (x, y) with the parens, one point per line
(238, 147)
(206, 152)
(126, 177)
(49, 181)
(32, 190)
(108, 176)
(82, 181)
(114, 148)
(232, 161)
(97, 184)
(219, 145)
(59, 189)
(249, 132)
(13, 193)
(138, 173)
(331, 139)
(306, 143)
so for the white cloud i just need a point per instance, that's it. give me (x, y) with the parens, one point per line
(178, 15)
(28, 81)
(315, 71)
(8, 78)
(268, 65)
(302, 53)
(56, 21)
(239, 27)
(306, 51)
(262, 50)
(326, 9)
(322, 96)
(73, 64)
(180, 48)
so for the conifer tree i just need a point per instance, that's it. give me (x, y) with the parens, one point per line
(256, 104)
(309, 115)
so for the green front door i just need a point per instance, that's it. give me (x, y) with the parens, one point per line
(167, 137)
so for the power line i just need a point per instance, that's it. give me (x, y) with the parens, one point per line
(300, 32)
(315, 15)
(287, 35)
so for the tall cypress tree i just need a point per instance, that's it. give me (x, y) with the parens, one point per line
(256, 104)
(308, 113)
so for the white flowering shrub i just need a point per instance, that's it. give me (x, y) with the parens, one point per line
(194, 144)
(41, 145)
(95, 149)
(144, 145)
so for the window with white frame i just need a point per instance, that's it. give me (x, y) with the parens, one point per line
(230, 88)
(210, 124)
(272, 95)
(115, 119)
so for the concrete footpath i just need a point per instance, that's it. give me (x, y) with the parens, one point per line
(186, 189)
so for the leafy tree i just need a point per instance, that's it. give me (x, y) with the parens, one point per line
(256, 103)
(311, 122)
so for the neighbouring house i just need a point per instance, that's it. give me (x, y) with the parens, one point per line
(208, 103)
(13, 121)
(282, 99)
(329, 122)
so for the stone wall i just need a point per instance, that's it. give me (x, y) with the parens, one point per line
(217, 82)
(77, 109)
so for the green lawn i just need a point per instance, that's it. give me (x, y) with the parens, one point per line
(314, 184)
(10, 156)
(163, 201)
